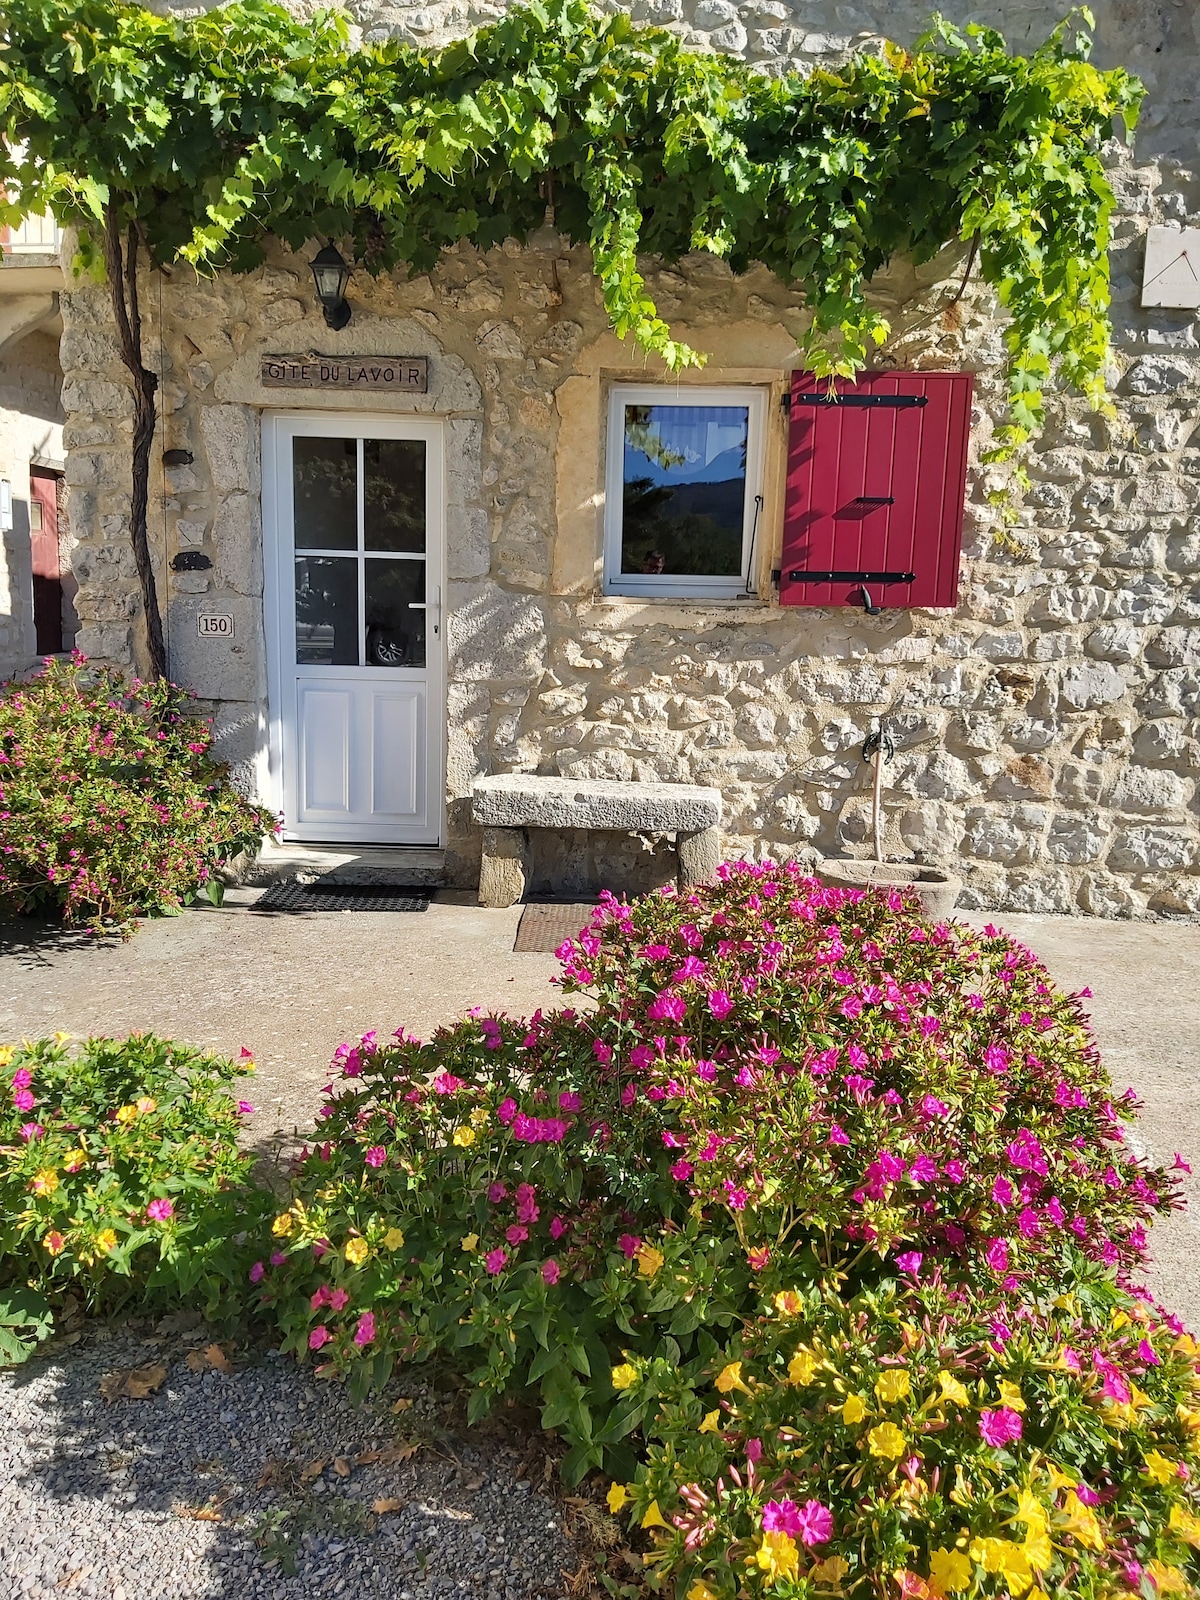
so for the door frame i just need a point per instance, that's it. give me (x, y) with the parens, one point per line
(278, 427)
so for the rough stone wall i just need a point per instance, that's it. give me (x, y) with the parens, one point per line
(30, 429)
(1046, 730)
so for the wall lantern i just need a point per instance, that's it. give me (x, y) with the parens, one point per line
(331, 275)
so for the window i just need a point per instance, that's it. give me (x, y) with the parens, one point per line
(683, 504)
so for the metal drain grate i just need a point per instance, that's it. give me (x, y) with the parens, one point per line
(343, 897)
(545, 924)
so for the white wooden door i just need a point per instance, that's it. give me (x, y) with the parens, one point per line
(353, 526)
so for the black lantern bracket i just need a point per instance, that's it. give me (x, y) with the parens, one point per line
(331, 276)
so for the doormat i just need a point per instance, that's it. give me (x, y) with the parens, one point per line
(545, 924)
(343, 897)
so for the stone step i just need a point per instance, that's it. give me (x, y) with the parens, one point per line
(392, 866)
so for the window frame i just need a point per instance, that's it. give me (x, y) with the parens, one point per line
(684, 586)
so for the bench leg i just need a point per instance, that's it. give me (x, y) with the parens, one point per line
(699, 856)
(504, 869)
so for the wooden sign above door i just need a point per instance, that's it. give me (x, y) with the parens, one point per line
(368, 374)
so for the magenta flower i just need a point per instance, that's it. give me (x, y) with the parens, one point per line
(1148, 1353)
(516, 1234)
(719, 1003)
(735, 1198)
(569, 1101)
(365, 1331)
(933, 1107)
(781, 1516)
(996, 1255)
(551, 1272)
(601, 1051)
(497, 1192)
(558, 1227)
(837, 1135)
(1002, 1192)
(338, 1299)
(753, 1451)
(278, 1257)
(495, 1261)
(681, 1171)
(320, 1297)
(375, 1156)
(245, 1109)
(667, 1007)
(630, 1245)
(23, 1100)
(31, 1130)
(257, 1272)
(22, 1078)
(506, 1110)
(910, 1262)
(160, 1210)
(447, 1083)
(1000, 1427)
(319, 1336)
(815, 1522)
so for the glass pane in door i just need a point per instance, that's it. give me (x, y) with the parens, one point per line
(395, 630)
(324, 488)
(327, 611)
(394, 494)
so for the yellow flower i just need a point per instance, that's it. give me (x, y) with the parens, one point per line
(730, 1378)
(1158, 1469)
(479, 1117)
(893, 1385)
(952, 1389)
(470, 1241)
(949, 1571)
(1167, 1580)
(75, 1160)
(854, 1410)
(1010, 1395)
(54, 1242)
(126, 1115)
(711, 1423)
(624, 1376)
(801, 1367)
(831, 1571)
(649, 1260)
(145, 1105)
(654, 1517)
(1030, 1509)
(7, 1052)
(1189, 1417)
(778, 1557)
(1039, 1552)
(357, 1251)
(283, 1224)
(45, 1181)
(60, 1037)
(1185, 1525)
(618, 1494)
(464, 1137)
(1060, 1479)
(393, 1239)
(1082, 1524)
(700, 1591)
(106, 1239)
(886, 1440)
(789, 1303)
(1014, 1565)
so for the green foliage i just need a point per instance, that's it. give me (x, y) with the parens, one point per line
(214, 131)
(120, 1176)
(26, 1318)
(111, 805)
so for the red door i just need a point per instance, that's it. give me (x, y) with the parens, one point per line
(43, 549)
(875, 489)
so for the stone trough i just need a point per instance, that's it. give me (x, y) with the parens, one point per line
(509, 805)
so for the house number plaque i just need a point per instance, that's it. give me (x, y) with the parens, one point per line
(368, 374)
(215, 625)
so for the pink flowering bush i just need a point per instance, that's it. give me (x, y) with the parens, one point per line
(120, 1175)
(111, 805)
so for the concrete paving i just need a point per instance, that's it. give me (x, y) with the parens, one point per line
(291, 987)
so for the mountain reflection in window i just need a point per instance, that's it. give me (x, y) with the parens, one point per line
(684, 501)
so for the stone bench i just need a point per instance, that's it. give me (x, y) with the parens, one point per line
(508, 805)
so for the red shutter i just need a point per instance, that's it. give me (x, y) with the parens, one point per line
(875, 489)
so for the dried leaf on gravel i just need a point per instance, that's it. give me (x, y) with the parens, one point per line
(73, 1578)
(393, 1453)
(213, 1358)
(313, 1470)
(402, 1405)
(198, 1513)
(367, 1458)
(133, 1383)
(341, 1466)
(383, 1505)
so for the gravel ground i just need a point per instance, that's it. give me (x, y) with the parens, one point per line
(252, 1485)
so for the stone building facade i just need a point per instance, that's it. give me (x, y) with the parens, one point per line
(1046, 729)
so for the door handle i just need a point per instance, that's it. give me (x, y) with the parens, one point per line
(434, 605)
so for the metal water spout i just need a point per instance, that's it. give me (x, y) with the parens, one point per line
(878, 747)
